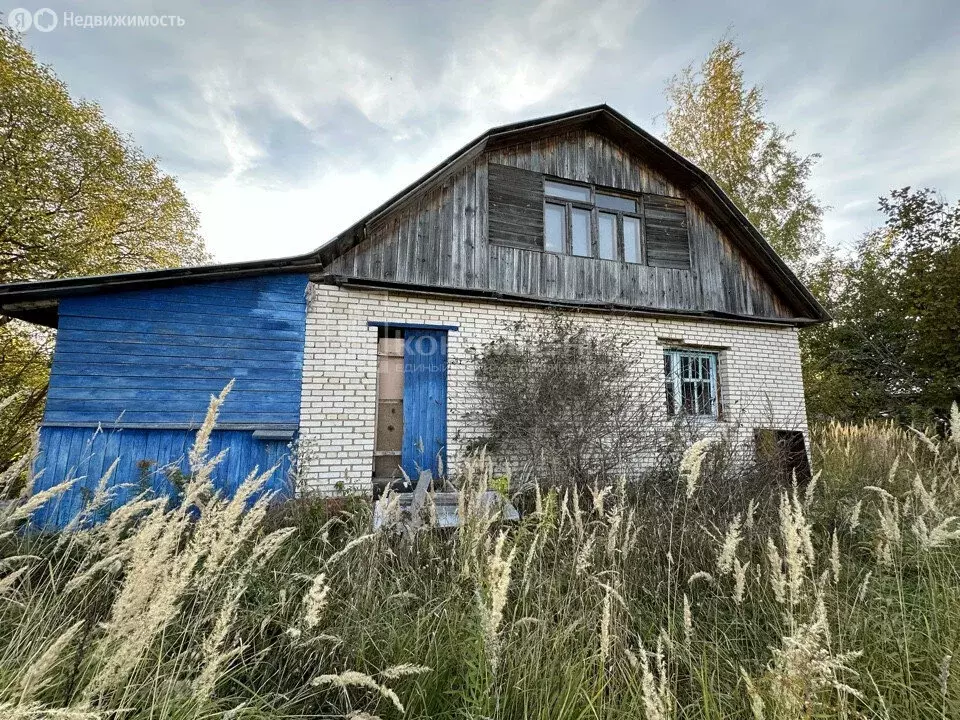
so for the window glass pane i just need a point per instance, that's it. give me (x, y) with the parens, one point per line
(569, 192)
(631, 239)
(607, 235)
(554, 227)
(705, 400)
(614, 202)
(668, 383)
(581, 232)
(695, 391)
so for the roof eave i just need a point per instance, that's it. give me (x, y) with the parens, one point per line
(15, 299)
(517, 299)
(36, 301)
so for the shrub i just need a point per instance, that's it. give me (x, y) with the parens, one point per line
(565, 402)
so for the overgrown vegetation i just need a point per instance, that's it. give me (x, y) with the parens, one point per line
(839, 599)
(891, 350)
(564, 401)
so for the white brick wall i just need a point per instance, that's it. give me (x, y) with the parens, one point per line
(760, 380)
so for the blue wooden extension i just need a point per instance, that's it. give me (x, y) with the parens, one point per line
(424, 402)
(143, 365)
(153, 357)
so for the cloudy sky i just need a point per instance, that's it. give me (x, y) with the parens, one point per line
(287, 121)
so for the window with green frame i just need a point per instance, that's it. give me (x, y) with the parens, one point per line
(690, 380)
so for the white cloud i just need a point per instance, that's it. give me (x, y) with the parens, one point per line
(287, 122)
(490, 75)
(248, 221)
(241, 150)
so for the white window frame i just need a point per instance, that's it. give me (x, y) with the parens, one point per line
(675, 378)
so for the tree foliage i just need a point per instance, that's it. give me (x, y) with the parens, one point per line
(892, 349)
(76, 198)
(716, 121)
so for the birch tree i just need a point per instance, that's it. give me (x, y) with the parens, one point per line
(716, 120)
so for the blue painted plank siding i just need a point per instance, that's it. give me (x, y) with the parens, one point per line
(146, 459)
(143, 365)
(153, 357)
(424, 402)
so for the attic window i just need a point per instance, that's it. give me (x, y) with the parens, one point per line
(588, 221)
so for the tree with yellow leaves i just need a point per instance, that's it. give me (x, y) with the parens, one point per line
(76, 198)
(716, 121)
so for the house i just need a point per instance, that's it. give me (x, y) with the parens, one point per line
(359, 350)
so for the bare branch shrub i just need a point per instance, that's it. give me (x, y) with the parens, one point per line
(566, 402)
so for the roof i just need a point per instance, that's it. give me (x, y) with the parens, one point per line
(37, 301)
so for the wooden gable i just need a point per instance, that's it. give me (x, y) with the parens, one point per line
(481, 230)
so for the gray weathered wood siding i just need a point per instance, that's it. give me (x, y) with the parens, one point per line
(514, 206)
(666, 235)
(441, 238)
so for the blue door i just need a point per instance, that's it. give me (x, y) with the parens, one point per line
(424, 402)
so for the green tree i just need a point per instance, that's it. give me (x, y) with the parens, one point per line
(892, 349)
(76, 198)
(716, 121)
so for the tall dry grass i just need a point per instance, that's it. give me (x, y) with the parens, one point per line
(839, 599)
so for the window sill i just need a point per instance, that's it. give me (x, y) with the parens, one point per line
(559, 253)
(699, 419)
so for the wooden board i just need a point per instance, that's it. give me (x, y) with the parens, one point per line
(482, 231)
(515, 206)
(147, 459)
(156, 356)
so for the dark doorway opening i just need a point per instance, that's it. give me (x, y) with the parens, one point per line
(783, 454)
